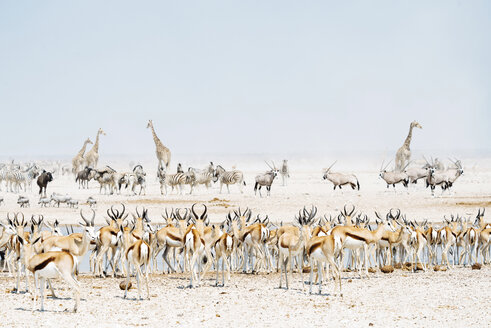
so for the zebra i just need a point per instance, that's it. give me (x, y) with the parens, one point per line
(179, 179)
(204, 176)
(229, 177)
(134, 179)
(161, 177)
(285, 172)
(17, 178)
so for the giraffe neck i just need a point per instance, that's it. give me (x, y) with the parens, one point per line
(155, 138)
(95, 149)
(407, 142)
(82, 151)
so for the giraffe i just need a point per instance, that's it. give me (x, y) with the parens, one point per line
(403, 154)
(78, 160)
(163, 153)
(92, 156)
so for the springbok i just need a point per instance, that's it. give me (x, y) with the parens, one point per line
(50, 265)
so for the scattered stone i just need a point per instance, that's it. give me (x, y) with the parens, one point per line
(372, 270)
(476, 266)
(122, 285)
(387, 269)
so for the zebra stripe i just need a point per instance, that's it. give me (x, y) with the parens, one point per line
(229, 177)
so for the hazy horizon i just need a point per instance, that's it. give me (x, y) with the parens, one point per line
(244, 78)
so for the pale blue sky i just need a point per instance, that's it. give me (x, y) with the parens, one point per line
(244, 76)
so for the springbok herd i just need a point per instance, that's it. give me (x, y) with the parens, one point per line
(323, 245)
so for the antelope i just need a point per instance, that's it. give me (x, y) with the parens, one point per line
(291, 244)
(432, 239)
(416, 173)
(485, 239)
(50, 265)
(170, 237)
(418, 242)
(107, 239)
(76, 244)
(224, 247)
(393, 177)
(447, 238)
(58, 199)
(324, 249)
(341, 179)
(194, 246)
(91, 201)
(470, 237)
(136, 253)
(355, 238)
(253, 238)
(454, 173)
(207, 233)
(266, 180)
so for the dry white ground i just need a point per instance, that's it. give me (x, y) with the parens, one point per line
(455, 298)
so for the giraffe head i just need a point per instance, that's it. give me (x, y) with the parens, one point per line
(101, 132)
(88, 141)
(415, 124)
(150, 124)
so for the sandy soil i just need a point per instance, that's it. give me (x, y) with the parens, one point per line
(455, 298)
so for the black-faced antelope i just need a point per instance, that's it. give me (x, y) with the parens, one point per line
(393, 177)
(266, 180)
(341, 179)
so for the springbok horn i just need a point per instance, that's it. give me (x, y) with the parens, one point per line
(194, 212)
(203, 216)
(83, 217)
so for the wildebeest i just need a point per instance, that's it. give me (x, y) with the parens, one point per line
(43, 180)
(83, 177)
